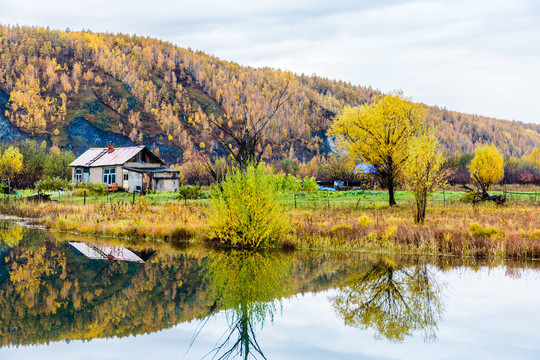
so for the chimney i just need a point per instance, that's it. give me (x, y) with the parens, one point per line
(110, 149)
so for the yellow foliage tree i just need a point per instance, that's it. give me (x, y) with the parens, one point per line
(380, 134)
(534, 157)
(11, 163)
(487, 166)
(424, 171)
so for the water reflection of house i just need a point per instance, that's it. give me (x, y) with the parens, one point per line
(132, 169)
(106, 252)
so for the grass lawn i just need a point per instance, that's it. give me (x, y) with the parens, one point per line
(352, 199)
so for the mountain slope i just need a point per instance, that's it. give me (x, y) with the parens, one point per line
(80, 89)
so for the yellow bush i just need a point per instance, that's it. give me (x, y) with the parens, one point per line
(246, 211)
(341, 227)
(364, 221)
(487, 232)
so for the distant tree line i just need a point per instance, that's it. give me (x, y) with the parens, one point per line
(524, 170)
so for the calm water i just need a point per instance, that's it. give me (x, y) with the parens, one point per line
(57, 303)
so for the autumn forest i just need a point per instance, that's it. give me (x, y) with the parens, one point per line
(55, 85)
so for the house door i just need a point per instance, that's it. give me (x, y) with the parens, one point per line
(146, 182)
(125, 179)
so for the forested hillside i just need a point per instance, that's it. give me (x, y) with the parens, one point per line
(81, 89)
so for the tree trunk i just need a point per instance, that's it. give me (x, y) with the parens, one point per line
(392, 199)
(421, 203)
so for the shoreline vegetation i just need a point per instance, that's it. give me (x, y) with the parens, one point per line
(351, 221)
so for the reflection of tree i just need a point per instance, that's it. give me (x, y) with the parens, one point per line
(10, 234)
(28, 270)
(54, 294)
(247, 284)
(395, 301)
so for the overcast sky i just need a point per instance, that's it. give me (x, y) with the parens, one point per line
(475, 56)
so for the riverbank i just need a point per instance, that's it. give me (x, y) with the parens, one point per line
(454, 228)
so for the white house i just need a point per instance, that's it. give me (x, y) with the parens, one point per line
(132, 169)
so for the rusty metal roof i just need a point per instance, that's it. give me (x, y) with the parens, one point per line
(100, 157)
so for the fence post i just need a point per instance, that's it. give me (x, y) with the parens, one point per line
(327, 199)
(133, 201)
(444, 196)
(295, 201)
(84, 197)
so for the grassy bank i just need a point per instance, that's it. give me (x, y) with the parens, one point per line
(322, 221)
(456, 229)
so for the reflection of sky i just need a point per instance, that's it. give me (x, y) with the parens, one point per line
(488, 316)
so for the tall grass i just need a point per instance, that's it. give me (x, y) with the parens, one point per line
(120, 219)
(457, 229)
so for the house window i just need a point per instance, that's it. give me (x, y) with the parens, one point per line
(126, 176)
(109, 176)
(78, 175)
(86, 174)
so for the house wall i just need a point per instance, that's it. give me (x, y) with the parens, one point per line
(120, 176)
(135, 179)
(96, 175)
(142, 165)
(160, 184)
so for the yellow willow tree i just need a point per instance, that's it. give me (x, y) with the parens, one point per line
(486, 167)
(380, 134)
(534, 158)
(424, 171)
(11, 164)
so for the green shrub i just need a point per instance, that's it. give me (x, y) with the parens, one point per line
(245, 209)
(89, 187)
(190, 192)
(78, 192)
(487, 232)
(53, 184)
(341, 228)
(532, 234)
(470, 197)
(291, 184)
